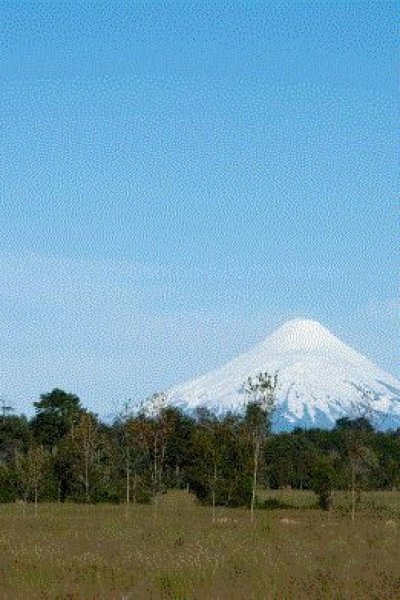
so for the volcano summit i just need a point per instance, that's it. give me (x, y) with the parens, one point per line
(320, 379)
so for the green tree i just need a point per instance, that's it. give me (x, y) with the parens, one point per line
(56, 415)
(85, 439)
(356, 436)
(32, 468)
(15, 438)
(153, 429)
(207, 441)
(261, 391)
(127, 444)
(219, 465)
(178, 450)
(323, 480)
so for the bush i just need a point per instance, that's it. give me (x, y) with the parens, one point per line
(229, 492)
(272, 504)
(322, 481)
(8, 485)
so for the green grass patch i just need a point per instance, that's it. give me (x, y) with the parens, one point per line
(179, 551)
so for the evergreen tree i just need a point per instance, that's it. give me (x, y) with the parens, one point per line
(56, 414)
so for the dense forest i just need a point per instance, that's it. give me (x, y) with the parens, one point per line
(65, 453)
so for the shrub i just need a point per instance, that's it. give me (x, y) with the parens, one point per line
(8, 485)
(272, 504)
(322, 481)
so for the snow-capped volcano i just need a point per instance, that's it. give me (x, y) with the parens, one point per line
(320, 379)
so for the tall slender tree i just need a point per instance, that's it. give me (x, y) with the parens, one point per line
(85, 439)
(127, 450)
(208, 443)
(32, 468)
(261, 391)
(356, 433)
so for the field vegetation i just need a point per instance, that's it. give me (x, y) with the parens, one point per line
(178, 551)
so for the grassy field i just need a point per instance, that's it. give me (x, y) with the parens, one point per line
(73, 551)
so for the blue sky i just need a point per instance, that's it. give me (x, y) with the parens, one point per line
(178, 178)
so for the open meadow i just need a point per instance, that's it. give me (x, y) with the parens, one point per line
(176, 551)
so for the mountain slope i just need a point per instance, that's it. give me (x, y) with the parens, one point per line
(320, 379)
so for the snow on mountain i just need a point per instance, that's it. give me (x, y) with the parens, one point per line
(320, 380)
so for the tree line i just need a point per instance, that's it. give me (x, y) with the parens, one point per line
(66, 453)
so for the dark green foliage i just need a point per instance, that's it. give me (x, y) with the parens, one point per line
(56, 414)
(179, 444)
(323, 481)
(256, 418)
(15, 437)
(358, 424)
(289, 459)
(143, 492)
(220, 462)
(86, 460)
(272, 504)
(8, 485)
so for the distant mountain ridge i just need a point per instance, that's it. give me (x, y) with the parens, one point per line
(320, 379)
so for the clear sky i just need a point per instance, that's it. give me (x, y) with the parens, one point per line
(177, 178)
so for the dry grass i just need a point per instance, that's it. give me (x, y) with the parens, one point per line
(73, 551)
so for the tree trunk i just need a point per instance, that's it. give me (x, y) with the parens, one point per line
(353, 493)
(161, 466)
(87, 477)
(127, 484)
(155, 468)
(134, 487)
(155, 482)
(255, 470)
(213, 492)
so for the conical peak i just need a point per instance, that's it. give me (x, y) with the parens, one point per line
(305, 334)
(319, 379)
(304, 327)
